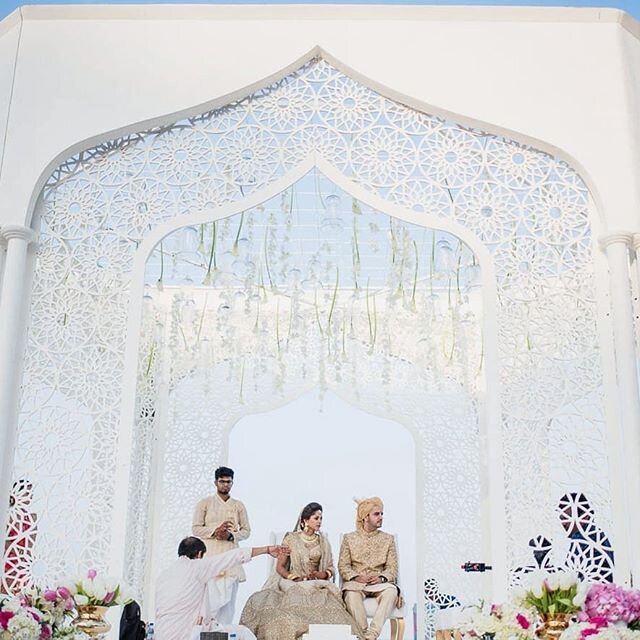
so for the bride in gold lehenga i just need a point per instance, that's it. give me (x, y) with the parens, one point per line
(301, 590)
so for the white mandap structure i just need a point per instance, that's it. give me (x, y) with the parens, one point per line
(208, 211)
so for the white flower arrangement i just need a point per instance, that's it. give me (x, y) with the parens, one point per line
(553, 593)
(23, 627)
(99, 591)
(504, 622)
(18, 622)
(590, 611)
(37, 614)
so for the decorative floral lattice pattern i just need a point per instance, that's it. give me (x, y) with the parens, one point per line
(98, 204)
(590, 552)
(22, 529)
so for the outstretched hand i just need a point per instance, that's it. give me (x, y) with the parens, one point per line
(278, 551)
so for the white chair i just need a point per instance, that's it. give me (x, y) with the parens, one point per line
(275, 537)
(396, 620)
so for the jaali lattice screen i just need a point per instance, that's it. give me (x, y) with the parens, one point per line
(528, 208)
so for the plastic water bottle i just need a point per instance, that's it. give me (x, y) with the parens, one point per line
(151, 632)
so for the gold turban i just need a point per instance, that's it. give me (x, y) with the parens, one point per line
(365, 507)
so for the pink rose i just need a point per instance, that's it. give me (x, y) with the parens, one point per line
(50, 596)
(91, 574)
(5, 616)
(45, 632)
(599, 621)
(522, 621)
(64, 593)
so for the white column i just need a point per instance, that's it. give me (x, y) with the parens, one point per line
(636, 248)
(3, 254)
(616, 246)
(12, 325)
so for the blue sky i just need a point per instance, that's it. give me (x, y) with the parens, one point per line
(631, 6)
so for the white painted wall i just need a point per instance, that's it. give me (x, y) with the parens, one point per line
(562, 76)
(10, 30)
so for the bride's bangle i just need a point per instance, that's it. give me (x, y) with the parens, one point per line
(329, 574)
(292, 576)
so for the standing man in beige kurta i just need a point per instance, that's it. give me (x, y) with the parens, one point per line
(221, 522)
(368, 566)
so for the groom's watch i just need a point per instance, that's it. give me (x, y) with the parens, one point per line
(230, 536)
(383, 579)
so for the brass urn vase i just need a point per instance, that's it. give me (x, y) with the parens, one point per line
(553, 624)
(91, 620)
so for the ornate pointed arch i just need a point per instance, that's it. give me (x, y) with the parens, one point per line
(248, 375)
(529, 209)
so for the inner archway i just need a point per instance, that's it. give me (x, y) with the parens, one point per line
(312, 288)
(328, 451)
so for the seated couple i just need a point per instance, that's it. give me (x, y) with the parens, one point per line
(301, 590)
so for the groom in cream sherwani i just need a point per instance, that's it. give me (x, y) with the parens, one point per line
(368, 566)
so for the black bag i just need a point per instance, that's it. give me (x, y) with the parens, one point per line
(214, 635)
(131, 626)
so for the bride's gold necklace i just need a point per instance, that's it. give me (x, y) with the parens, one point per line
(308, 538)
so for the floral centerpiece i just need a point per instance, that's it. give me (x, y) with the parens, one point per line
(38, 614)
(501, 622)
(544, 607)
(559, 606)
(55, 607)
(93, 594)
(46, 614)
(556, 598)
(18, 622)
(99, 591)
(551, 594)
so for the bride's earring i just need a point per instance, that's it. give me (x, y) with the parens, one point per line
(306, 529)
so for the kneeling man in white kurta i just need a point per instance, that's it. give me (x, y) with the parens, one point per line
(181, 588)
